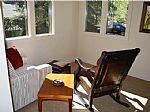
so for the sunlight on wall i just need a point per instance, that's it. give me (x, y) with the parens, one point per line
(137, 101)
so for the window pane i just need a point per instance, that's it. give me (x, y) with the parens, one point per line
(15, 18)
(117, 18)
(43, 17)
(93, 16)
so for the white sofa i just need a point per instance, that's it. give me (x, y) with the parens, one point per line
(25, 82)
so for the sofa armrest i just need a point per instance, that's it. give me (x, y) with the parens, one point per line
(42, 66)
(42, 71)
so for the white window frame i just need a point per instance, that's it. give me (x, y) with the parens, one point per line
(83, 7)
(104, 22)
(31, 23)
(52, 23)
(27, 35)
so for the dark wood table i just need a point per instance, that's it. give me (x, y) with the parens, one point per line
(50, 92)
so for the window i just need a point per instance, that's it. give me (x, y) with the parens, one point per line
(43, 17)
(15, 18)
(110, 22)
(117, 17)
(93, 16)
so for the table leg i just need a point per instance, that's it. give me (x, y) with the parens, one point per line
(70, 105)
(39, 105)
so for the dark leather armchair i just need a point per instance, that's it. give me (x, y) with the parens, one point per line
(106, 78)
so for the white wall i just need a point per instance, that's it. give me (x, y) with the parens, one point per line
(61, 45)
(5, 94)
(69, 40)
(90, 45)
(68, 43)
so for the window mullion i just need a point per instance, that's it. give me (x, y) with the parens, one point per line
(31, 18)
(130, 9)
(104, 17)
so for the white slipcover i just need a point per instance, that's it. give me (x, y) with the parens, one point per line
(26, 82)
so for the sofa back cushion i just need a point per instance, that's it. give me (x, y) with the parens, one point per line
(14, 57)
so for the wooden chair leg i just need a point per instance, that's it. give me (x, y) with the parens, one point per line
(118, 96)
(117, 99)
(90, 103)
(75, 85)
(76, 78)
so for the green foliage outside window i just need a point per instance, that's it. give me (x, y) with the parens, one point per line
(15, 25)
(42, 17)
(93, 16)
(118, 10)
(117, 17)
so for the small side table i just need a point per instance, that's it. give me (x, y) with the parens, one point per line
(60, 67)
(58, 93)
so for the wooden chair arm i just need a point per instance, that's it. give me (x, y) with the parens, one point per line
(81, 64)
(84, 66)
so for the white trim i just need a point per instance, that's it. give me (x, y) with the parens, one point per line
(31, 18)
(31, 23)
(104, 22)
(17, 38)
(53, 18)
(130, 10)
(44, 34)
(85, 14)
(126, 37)
(5, 94)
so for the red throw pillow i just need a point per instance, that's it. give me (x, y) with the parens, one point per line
(14, 57)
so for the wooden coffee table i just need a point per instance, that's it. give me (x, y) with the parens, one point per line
(50, 92)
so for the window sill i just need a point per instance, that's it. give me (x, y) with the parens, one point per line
(118, 37)
(18, 38)
(43, 35)
(107, 36)
(92, 33)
